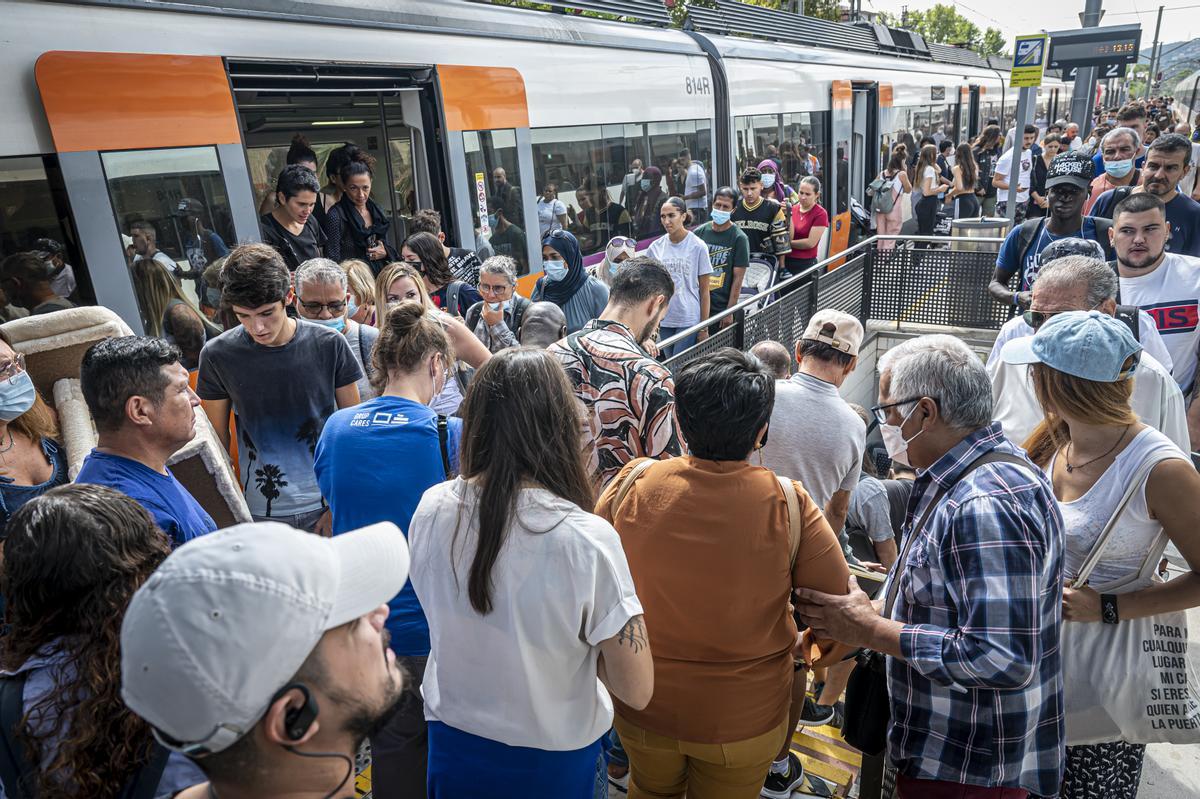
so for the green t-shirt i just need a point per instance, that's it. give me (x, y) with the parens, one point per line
(727, 250)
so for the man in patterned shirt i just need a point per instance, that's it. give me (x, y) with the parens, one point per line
(974, 671)
(629, 395)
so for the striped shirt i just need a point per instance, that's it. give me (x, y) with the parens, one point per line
(978, 697)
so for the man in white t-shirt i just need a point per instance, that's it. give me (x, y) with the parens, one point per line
(1074, 142)
(1079, 283)
(145, 245)
(1165, 285)
(695, 188)
(1002, 177)
(551, 211)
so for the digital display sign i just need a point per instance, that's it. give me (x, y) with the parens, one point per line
(1093, 47)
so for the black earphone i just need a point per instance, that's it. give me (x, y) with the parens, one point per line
(297, 720)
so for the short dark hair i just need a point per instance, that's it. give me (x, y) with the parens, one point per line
(1131, 112)
(427, 220)
(1032, 129)
(927, 140)
(29, 267)
(254, 275)
(638, 279)
(946, 144)
(115, 369)
(821, 351)
(1171, 143)
(722, 401)
(294, 179)
(1138, 203)
(750, 175)
(726, 192)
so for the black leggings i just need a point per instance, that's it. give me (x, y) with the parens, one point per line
(926, 212)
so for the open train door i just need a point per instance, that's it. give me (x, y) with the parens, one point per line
(855, 123)
(973, 104)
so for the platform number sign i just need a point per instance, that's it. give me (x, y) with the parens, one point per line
(1104, 72)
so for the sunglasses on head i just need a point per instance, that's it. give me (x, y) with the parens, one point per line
(622, 241)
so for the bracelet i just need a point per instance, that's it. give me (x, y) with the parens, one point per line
(1108, 609)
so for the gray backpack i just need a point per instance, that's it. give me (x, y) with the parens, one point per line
(883, 199)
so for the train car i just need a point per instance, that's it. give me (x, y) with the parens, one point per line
(132, 115)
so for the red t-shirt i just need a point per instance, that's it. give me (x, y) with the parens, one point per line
(803, 223)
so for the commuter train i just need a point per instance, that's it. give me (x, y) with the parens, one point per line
(116, 111)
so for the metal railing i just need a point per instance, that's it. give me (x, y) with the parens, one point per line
(890, 283)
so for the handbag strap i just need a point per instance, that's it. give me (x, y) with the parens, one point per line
(16, 772)
(913, 534)
(639, 466)
(443, 430)
(793, 507)
(1093, 557)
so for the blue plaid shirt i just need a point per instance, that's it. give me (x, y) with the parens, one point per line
(978, 696)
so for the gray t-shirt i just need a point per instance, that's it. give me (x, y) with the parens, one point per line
(870, 512)
(814, 437)
(361, 339)
(281, 397)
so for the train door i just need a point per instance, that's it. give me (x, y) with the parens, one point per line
(973, 112)
(855, 122)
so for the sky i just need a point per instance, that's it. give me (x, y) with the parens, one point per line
(1015, 17)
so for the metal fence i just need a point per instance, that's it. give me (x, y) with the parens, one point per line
(881, 279)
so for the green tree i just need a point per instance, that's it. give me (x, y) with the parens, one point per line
(992, 43)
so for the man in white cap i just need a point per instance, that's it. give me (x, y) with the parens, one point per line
(260, 652)
(817, 439)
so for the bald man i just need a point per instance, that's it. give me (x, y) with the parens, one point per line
(543, 324)
(775, 356)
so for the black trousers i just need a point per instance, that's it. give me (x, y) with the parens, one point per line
(400, 752)
(926, 212)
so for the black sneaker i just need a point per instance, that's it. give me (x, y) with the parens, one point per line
(815, 715)
(839, 715)
(780, 786)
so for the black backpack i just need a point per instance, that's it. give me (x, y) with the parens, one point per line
(518, 314)
(1127, 313)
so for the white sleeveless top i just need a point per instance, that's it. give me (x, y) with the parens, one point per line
(1135, 533)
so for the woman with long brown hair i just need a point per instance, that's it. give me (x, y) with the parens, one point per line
(73, 559)
(1093, 448)
(168, 313)
(900, 186)
(927, 183)
(962, 194)
(524, 590)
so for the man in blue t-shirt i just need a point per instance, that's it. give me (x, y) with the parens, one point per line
(1067, 182)
(1134, 118)
(144, 411)
(1168, 162)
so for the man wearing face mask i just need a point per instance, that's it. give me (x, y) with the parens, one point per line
(1117, 148)
(629, 184)
(1131, 117)
(972, 611)
(323, 297)
(606, 363)
(497, 319)
(729, 254)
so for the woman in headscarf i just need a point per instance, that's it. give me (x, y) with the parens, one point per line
(566, 283)
(646, 222)
(773, 185)
(620, 248)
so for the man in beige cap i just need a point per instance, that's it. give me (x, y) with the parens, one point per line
(816, 439)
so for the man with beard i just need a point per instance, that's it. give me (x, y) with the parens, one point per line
(1067, 180)
(1168, 162)
(629, 396)
(259, 651)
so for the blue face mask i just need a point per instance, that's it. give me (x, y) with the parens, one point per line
(721, 217)
(1119, 169)
(16, 396)
(645, 184)
(491, 220)
(555, 270)
(768, 180)
(338, 324)
(351, 307)
(496, 306)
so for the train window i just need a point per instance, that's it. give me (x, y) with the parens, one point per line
(676, 148)
(757, 139)
(174, 216)
(805, 148)
(592, 171)
(493, 172)
(28, 217)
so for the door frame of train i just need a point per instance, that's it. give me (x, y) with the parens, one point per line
(974, 104)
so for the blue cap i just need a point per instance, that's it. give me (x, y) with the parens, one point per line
(1086, 344)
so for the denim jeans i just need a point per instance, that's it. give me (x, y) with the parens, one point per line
(665, 332)
(306, 521)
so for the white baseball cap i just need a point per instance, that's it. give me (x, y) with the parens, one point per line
(230, 617)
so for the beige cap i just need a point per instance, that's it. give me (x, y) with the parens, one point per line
(839, 330)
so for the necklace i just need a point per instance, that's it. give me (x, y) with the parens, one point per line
(1071, 468)
(7, 447)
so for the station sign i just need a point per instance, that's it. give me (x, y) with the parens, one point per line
(1095, 47)
(1029, 61)
(1105, 72)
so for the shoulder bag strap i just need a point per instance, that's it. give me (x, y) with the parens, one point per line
(1093, 557)
(144, 784)
(452, 292)
(518, 313)
(793, 507)
(443, 428)
(914, 533)
(640, 465)
(15, 768)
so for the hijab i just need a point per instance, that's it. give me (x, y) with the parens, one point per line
(648, 200)
(560, 291)
(778, 191)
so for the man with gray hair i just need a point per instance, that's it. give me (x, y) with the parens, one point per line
(775, 356)
(496, 319)
(545, 323)
(1119, 163)
(972, 613)
(323, 297)
(1077, 283)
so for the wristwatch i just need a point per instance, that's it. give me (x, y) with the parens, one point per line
(1108, 609)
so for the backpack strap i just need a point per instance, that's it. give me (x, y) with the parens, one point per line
(473, 314)
(452, 292)
(1129, 315)
(144, 784)
(1103, 226)
(520, 304)
(1025, 235)
(15, 769)
(443, 428)
(639, 465)
(793, 506)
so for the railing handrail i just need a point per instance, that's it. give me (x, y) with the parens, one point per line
(846, 253)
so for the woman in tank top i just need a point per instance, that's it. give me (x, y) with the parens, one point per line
(398, 282)
(1092, 447)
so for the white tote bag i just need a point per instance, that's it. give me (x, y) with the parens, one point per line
(1136, 680)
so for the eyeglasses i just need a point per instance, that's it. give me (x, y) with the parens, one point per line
(622, 242)
(880, 411)
(485, 288)
(334, 308)
(10, 369)
(1036, 319)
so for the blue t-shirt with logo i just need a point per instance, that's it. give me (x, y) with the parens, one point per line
(374, 462)
(1009, 258)
(174, 509)
(1183, 215)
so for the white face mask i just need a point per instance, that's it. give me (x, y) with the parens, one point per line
(894, 441)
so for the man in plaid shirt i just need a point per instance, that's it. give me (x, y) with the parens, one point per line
(974, 672)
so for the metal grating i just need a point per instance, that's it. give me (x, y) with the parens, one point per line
(724, 338)
(842, 289)
(729, 17)
(646, 12)
(935, 287)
